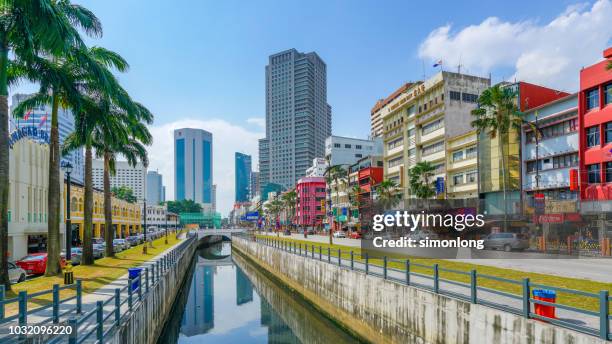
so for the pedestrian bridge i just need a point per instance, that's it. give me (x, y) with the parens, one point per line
(226, 233)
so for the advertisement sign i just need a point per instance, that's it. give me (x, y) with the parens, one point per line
(252, 216)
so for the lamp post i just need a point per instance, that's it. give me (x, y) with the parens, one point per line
(68, 274)
(144, 216)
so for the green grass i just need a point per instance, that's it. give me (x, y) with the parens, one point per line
(579, 301)
(101, 273)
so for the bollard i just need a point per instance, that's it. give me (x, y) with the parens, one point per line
(352, 261)
(2, 294)
(117, 306)
(367, 267)
(56, 302)
(79, 295)
(526, 302)
(407, 271)
(473, 287)
(23, 308)
(436, 273)
(72, 337)
(385, 267)
(100, 321)
(604, 310)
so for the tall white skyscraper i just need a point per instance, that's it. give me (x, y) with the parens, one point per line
(155, 188)
(193, 166)
(125, 175)
(298, 118)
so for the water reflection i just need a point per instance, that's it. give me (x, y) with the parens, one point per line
(221, 304)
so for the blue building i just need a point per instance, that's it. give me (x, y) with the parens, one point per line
(193, 164)
(242, 176)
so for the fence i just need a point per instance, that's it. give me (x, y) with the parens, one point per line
(95, 324)
(520, 304)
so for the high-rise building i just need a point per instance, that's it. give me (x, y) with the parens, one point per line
(298, 118)
(254, 184)
(154, 188)
(380, 108)
(214, 197)
(41, 118)
(133, 177)
(242, 175)
(345, 151)
(193, 165)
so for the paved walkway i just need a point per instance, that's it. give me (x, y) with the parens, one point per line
(593, 269)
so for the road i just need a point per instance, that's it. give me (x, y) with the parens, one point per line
(593, 269)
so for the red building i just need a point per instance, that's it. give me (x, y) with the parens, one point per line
(595, 130)
(310, 201)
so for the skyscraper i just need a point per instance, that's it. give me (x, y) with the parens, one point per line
(254, 184)
(155, 192)
(242, 173)
(298, 118)
(133, 177)
(193, 165)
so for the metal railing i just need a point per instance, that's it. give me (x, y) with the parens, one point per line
(521, 304)
(96, 324)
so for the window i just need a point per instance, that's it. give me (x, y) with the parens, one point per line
(358, 146)
(434, 148)
(346, 145)
(395, 143)
(608, 132)
(592, 136)
(394, 162)
(433, 126)
(593, 173)
(609, 172)
(337, 145)
(592, 99)
(454, 95)
(411, 132)
(470, 152)
(471, 176)
(458, 179)
(358, 155)
(470, 98)
(458, 155)
(607, 94)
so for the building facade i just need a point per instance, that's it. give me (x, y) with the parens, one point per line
(159, 216)
(41, 119)
(264, 165)
(242, 173)
(376, 114)
(298, 118)
(462, 166)
(345, 151)
(419, 124)
(193, 166)
(310, 209)
(254, 185)
(366, 173)
(155, 188)
(317, 169)
(134, 177)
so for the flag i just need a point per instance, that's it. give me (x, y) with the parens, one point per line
(43, 120)
(27, 115)
(439, 63)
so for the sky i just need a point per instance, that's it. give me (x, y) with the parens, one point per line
(201, 63)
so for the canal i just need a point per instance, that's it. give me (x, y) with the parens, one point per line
(228, 300)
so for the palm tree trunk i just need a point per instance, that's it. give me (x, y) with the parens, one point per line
(503, 163)
(109, 231)
(4, 166)
(53, 199)
(87, 214)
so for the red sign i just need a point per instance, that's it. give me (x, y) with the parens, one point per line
(573, 174)
(548, 218)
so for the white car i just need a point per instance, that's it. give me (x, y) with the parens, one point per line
(339, 234)
(16, 274)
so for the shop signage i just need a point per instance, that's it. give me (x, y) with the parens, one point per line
(32, 132)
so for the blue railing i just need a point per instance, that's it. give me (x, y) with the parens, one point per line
(522, 302)
(96, 324)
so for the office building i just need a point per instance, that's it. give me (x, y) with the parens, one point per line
(376, 114)
(254, 184)
(193, 166)
(133, 177)
(298, 118)
(214, 197)
(41, 119)
(155, 189)
(317, 169)
(310, 201)
(345, 151)
(242, 173)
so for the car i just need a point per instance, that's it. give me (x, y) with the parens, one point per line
(36, 263)
(99, 251)
(98, 240)
(76, 254)
(506, 241)
(16, 274)
(121, 243)
(355, 235)
(133, 240)
(339, 234)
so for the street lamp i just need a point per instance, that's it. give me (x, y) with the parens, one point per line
(144, 216)
(68, 274)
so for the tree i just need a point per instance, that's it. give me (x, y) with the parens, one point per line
(289, 200)
(388, 194)
(183, 206)
(29, 28)
(496, 114)
(353, 195)
(273, 208)
(334, 173)
(123, 192)
(418, 178)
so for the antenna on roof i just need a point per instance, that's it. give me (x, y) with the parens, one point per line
(459, 65)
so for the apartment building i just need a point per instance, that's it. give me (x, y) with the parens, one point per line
(462, 166)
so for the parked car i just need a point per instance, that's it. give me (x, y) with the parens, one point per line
(339, 234)
(133, 240)
(99, 251)
(76, 255)
(506, 241)
(36, 263)
(16, 274)
(121, 243)
(97, 240)
(355, 235)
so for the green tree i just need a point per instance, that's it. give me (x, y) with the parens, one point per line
(496, 115)
(388, 194)
(419, 180)
(353, 195)
(30, 29)
(289, 200)
(335, 174)
(123, 192)
(183, 206)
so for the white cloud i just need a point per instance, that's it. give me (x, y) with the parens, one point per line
(258, 121)
(550, 54)
(227, 139)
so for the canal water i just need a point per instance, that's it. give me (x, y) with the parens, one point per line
(228, 300)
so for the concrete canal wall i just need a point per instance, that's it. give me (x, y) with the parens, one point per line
(144, 324)
(382, 311)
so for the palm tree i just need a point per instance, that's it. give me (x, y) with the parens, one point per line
(334, 174)
(29, 27)
(67, 81)
(496, 115)
(273, 208)
(289, 199)
(388, 194)
(418, 177)
(354, 197)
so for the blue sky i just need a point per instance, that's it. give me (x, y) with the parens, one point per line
(202, 62)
